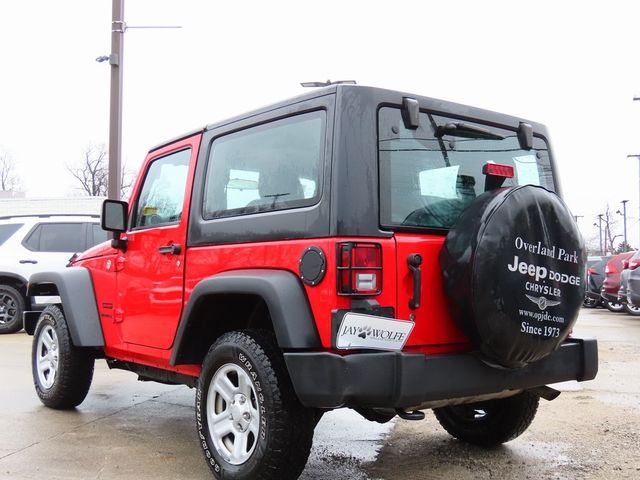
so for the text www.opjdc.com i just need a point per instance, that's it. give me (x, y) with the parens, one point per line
(540, 316)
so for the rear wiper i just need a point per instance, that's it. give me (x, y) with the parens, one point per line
(459, 129)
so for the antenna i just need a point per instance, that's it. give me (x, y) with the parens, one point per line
(328, 83)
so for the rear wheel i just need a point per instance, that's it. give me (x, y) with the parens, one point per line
(62, 373)
(489, 423)
(631, 309)
(250, 422)
(11, 308)
(613, 306)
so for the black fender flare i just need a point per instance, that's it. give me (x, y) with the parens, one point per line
(283, 294)
(14, 276)
(74, 286)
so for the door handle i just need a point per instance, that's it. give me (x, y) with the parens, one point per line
(28, 261)
(173, 249)
(414, 260)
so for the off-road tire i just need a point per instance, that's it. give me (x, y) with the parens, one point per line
(632, 309)
(70, 370)
(614, 307)
(11, 308)
(281, 447)
(504, 419)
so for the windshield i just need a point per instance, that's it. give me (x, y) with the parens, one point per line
(430, 174)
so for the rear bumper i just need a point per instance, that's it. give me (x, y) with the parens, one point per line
(400, 380)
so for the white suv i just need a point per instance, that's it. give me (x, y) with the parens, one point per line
(30, 244)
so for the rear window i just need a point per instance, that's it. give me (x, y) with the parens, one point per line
(426, 180)
(7, 230)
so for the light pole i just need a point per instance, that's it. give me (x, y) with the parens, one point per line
(115, 116)
(637, 156)
(118, 28)
(599, 225)
(624, 220)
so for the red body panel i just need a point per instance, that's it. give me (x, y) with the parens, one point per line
(203, 262)
(611, 283)
(434, 325)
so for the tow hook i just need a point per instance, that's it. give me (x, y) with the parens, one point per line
(415, 415)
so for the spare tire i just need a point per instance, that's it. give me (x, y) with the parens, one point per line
(514, 274)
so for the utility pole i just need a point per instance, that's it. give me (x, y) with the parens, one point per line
(637, 157)
(624, 220)
(600, 231)
(118, 28)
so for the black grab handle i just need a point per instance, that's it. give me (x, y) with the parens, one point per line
(173, 249)
(414, 260)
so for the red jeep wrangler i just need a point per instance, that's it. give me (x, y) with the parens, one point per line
(351, 247)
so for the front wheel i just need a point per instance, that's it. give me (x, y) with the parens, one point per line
(62, 373)
(632, 309)
(249, 420)
(489, 423)
(590, 302)
(613, 306)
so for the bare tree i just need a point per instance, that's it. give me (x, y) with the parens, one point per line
(9, 180)
(93, 173)
(609, 223)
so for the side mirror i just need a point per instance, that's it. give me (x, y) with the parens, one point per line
(625, 264)
(114, 219)
(114, 216)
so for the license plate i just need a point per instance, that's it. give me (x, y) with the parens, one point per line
(358, 330)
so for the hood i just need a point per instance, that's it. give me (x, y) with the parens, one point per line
(100, 250)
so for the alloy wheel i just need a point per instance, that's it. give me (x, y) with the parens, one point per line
(47, 356)
(8, 309)
(232, 414)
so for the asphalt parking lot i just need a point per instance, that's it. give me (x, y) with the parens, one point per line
(127, 429)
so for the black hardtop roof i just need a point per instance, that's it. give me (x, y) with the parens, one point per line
(381, 96)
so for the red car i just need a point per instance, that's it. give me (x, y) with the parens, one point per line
(611, 283)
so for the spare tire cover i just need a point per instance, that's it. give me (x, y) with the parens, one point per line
(514, 274)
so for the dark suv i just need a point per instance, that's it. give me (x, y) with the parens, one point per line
(352, 247)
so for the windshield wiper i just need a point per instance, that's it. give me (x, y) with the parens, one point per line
(459, 129)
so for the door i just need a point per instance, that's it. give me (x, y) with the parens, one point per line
(150, 274)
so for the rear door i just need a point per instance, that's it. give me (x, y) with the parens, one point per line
(150, 274)
(428, 175)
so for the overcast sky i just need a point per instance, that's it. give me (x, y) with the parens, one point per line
(571, 65)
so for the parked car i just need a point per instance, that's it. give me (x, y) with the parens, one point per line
(595, 277)
(351, 247)
(30, 244)
(633, 285)
(628, 266)
(611, 282)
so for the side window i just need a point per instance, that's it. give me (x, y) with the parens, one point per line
(7, 230)
(56, 237)
(162, 193)
(95, 235)
(269, 167)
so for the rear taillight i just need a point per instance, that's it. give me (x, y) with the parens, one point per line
(633, 264)
(359, 268)
(591, 271)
